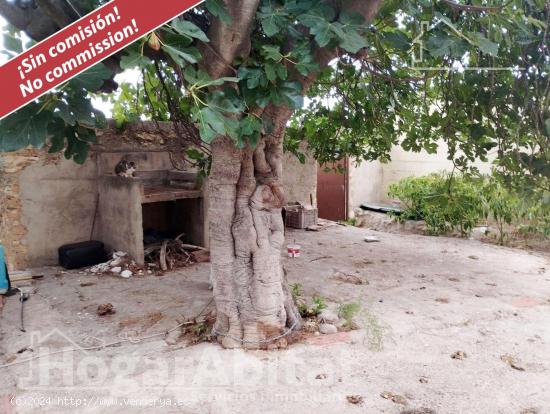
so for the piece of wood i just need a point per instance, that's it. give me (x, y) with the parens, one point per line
(16, 277)
(191, 247)
(158, 193)
(162, 259)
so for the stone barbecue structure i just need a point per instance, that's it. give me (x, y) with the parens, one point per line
(47, 201)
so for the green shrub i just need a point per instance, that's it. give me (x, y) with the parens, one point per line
(535, 212)
(348, 311)
(307, 310)
(502, 205)
(447, 202)
(444, 201)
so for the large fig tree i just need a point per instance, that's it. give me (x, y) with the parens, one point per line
(231, 75)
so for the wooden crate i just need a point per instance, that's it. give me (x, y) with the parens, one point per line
(300, 217)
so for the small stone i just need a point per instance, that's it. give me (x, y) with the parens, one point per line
(172, 337)
(321, 376)
(371, 239)
(126, 274)
(327, 316)
(116, 269)
(327, 329)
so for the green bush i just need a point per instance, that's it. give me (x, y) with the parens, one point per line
(535, 212)
(445, 202)
(501, 204)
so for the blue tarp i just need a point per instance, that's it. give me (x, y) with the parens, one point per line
(4, 282)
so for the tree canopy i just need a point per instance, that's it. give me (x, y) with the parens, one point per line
(473, 74)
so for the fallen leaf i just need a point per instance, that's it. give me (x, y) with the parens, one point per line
(459, 355)
(396, 398)
(105, 309)
(347, 278)
(511, 361)
(355, 399)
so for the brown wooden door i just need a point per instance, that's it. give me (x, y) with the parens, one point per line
(332, 190)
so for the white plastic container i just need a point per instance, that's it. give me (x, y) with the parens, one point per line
(293, 250)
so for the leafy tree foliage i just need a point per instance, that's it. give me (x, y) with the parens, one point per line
(482, 86)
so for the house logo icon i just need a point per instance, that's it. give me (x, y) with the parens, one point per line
(54, 339)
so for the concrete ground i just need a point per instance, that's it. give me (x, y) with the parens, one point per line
(424, 300)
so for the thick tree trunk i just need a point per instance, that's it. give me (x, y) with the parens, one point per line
(254, 306)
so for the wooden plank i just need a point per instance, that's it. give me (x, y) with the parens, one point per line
(158, 193)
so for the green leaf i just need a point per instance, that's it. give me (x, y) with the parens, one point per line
(272, 20)
(217, 8)
(225, 101)
(212, 123)
(289, 94)
(272, 53)
(250, 129)
(134, 59)
(28, 126)
(254, 77)
(194, 154)
(397, 40)
(352, 42)
(92, 79)
(186, 28)
(181, 57)
(65, 113)
(485, 45)
(57, 131)
(12, 43)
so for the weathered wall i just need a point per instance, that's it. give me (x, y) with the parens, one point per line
(47, 201)
(365, 184)
(300, 180)
(13, 232)
(58, 201)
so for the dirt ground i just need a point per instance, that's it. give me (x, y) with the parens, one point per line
(424, 300)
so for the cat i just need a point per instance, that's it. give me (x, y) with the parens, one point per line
(125, 168)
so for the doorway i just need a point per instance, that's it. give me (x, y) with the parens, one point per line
(332, 190)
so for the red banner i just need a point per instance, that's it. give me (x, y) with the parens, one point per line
(81, 45)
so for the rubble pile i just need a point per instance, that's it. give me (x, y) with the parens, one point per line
(121, 264)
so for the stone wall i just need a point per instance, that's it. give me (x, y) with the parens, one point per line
(47, 201)
(13, 232)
